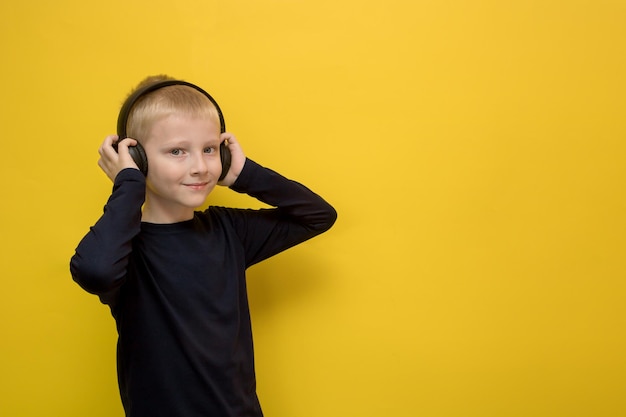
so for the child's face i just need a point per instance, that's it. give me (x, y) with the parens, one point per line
(183, 166)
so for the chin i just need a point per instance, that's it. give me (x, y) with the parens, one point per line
(195, 203)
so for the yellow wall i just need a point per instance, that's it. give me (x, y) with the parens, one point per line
(474, 151)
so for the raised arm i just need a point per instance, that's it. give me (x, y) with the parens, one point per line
(298, 214)
(99, 264)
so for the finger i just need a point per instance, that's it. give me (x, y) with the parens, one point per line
(126, 143)
(228, 137)
(110, 140)
(108, 143)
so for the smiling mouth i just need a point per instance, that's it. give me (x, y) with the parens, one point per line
(197, 185)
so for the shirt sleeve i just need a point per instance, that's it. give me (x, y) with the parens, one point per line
(101, 258)
(298, 214)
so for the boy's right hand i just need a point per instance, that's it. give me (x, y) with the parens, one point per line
(112, 162)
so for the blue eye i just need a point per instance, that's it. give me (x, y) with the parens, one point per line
(175, 152)
(209, 150)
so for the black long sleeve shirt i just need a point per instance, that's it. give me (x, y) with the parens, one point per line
(178, 291)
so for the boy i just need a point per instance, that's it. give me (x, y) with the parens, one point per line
(173, 277)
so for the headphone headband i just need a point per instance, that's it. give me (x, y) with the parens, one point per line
(122, 119)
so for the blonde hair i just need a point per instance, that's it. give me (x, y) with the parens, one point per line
(173, 99)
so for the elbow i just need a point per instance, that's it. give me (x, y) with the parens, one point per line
(93, 275)
(326, 219)
(331, 218)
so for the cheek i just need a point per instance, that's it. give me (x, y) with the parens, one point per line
(160, 172)
(218, 165)
(214, 165)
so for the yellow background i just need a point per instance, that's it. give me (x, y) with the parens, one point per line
(473, 149)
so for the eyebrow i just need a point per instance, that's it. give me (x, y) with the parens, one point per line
(186, 143)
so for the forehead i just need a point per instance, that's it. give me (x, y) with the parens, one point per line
(181, 127)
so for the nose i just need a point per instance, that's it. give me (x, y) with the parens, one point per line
(199, 164)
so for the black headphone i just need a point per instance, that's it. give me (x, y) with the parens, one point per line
(137, 152)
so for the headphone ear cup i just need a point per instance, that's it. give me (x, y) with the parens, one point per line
(225, 158)
(138, 154)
